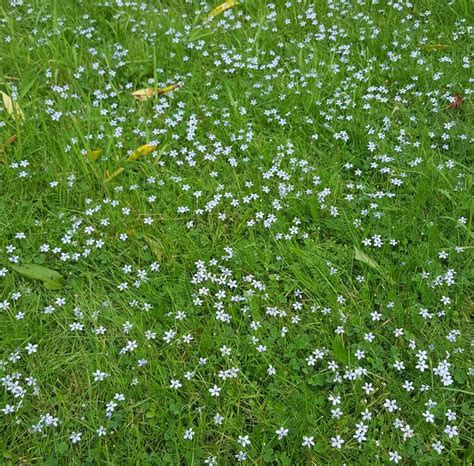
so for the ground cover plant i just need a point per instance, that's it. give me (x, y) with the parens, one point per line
(236, 233)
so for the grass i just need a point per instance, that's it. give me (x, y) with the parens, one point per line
(298, 237)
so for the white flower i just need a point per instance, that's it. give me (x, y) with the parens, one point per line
(8, 409)
(189, 434)
(394, 456)
(281, 432)
(408, 386)
(390, 405)
(99, 376)
(241, 456)
(368, 388)
(214, 391)
(175, 384)
(429, 416)
(451, 415)
(308, 442)
(30, 348)
(438, 447)
(244, 441)
(337, 441)
(75, 437)
(451, 431)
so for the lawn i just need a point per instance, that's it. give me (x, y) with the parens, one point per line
(236, 234)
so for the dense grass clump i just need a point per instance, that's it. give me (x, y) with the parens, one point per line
(240, 234)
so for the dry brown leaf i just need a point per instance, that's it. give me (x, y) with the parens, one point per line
(11, 139)
(12, 107)
(456, 102)
(149, 92)
(144, 94)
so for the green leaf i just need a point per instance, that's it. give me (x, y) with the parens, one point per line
(155, 247)
(318, 380)
(51, 279)
(339, 351)
(62, 448)
(363, 257)
(268, 455)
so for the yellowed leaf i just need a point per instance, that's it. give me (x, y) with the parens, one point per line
(139, 152)
(142, 150)
(432, 47)
(221, 8)
(12, 107)
(113, 175)
(170, 88)
(149, 92)
(94, 154)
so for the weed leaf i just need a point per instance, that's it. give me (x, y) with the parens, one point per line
(363, 257)
(51, 279)
(339, 351)
(155, 247)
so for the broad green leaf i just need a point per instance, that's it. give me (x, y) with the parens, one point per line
(52, 284)
(339, 351)
(51, 279)
(155, 247)
(363, 257)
